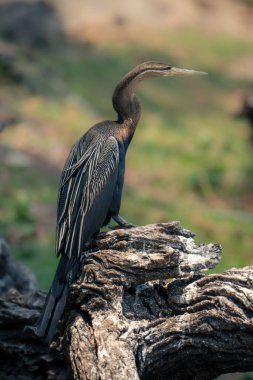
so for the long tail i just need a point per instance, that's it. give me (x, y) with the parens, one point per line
(56, 298)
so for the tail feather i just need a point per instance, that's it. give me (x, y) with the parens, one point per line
(56, 315)
(46, 314)
(56, 298)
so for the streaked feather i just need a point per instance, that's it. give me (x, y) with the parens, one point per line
(83, 178)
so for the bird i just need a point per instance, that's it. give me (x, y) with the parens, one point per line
(91, 187)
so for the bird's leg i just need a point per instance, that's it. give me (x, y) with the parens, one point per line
(122, 222)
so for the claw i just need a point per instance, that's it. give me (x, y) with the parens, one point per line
(128, 225)
(122, 222)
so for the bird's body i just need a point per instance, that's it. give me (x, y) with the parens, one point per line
(91, 187)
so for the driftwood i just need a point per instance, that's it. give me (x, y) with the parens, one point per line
(140, 309)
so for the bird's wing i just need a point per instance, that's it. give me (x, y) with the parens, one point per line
(86, 189)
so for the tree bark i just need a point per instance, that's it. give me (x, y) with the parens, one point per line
(140, 309)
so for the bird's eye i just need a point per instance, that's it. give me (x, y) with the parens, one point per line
(166, 68)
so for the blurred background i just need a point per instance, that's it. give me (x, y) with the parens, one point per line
(190, 160)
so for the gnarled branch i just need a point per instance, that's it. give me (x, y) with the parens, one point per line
(142, 309)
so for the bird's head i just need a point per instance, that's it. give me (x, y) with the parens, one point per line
(150, 69)
(123, 100)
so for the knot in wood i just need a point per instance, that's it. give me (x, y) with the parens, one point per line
(89, 276)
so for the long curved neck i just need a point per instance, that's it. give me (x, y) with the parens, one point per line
(125, 102)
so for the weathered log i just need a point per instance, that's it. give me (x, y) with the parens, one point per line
(126, 317)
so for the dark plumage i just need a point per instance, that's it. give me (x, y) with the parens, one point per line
(91, 186)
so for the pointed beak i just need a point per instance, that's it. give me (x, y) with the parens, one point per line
(176, 71)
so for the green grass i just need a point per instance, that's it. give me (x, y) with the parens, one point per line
(29, 232)
(188, 161)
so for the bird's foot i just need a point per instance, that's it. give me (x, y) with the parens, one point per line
(122, 223)
(122, 226)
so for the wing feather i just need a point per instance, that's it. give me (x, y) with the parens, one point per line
(86, 191)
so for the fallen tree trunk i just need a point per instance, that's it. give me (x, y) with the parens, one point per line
(125, 319)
